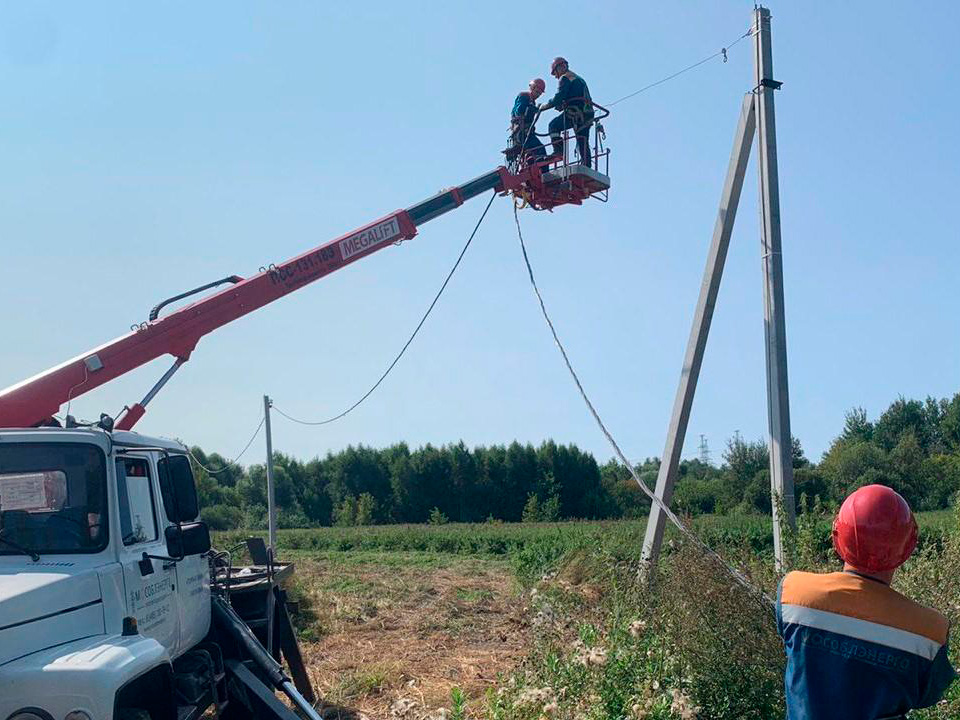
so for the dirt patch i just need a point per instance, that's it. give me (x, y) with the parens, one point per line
(391, 642)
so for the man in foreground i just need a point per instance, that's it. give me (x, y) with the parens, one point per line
(576, 110)
(856, 648)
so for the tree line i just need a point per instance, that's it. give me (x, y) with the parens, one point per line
(913, 446)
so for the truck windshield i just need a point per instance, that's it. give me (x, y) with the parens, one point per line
(53, 497)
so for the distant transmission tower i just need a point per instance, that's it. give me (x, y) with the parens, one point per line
(704, 450)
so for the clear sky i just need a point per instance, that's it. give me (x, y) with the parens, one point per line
(150, 148)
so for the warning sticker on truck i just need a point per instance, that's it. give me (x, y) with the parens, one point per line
(30, 491)
(367, 238)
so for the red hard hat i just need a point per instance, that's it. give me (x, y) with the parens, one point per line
(557, 61)
(539, 84)
(875, 530)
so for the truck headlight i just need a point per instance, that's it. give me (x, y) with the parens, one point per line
(77, 715)
(30, 714)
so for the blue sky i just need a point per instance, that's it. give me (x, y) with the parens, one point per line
(147, 149)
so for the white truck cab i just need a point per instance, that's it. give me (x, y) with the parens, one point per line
(104, 577)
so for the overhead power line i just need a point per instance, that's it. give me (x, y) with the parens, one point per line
(233, 462)
(722, 52)
(416, 330)
(752, 590)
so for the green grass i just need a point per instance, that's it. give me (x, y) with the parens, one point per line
(531, 548)
(580, 586)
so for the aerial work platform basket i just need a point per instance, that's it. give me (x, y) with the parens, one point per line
(549, 180)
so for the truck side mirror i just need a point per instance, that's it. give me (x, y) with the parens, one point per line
(187, 539)
(177, 488)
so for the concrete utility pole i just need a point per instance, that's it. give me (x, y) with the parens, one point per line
(757, 110)
(702, 317)
(271, 500)
(774, 325)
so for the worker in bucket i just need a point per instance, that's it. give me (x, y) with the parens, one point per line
(576, 110)
(523, 118)
(856, 648)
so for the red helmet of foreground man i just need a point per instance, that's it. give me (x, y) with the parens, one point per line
(874, 531)
(557, 63)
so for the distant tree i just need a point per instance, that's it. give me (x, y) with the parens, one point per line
(437, 517)
(366, 509)
(901, 416)
(941, 475)
(950, 424)
(345, 513)
(856, 427)
(531, 509)
(809, 481)
(798, 459)
(222, 517)
(850, 465)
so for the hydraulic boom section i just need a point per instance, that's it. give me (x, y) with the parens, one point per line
(35, 401)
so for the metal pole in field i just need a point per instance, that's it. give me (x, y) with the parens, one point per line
(271, 501)
(693, 359)
(775, 333)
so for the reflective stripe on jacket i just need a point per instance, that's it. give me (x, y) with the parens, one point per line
(857, 649)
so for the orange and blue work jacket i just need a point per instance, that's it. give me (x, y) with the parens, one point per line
(857, 649)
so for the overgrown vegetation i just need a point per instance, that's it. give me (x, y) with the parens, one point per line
(599, 641)
(694, 644)
(913, 446)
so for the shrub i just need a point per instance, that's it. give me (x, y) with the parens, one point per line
(222, 517)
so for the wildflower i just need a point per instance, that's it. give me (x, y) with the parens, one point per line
(637, 627)
(402, 708)
(545, 617)
(597, 656)
(536, 696)
(683, 706)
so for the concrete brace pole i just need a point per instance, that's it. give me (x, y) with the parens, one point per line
(775, 332)
(702, 318)
(271, 499)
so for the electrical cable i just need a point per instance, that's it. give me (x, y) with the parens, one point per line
(406, 345)
(233, 462)
(721, 52)
(753, 590)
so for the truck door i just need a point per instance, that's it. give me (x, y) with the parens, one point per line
(193, 571)
(151, 596)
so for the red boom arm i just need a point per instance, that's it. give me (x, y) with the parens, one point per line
(34, 401)
(37, 399)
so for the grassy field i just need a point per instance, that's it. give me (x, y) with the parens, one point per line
(531, 621)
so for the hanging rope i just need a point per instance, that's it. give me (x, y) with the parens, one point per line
(739, 577)
(423, 319)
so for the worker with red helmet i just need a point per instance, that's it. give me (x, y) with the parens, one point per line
(576, 109)
(523, 118)
(856, 648)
